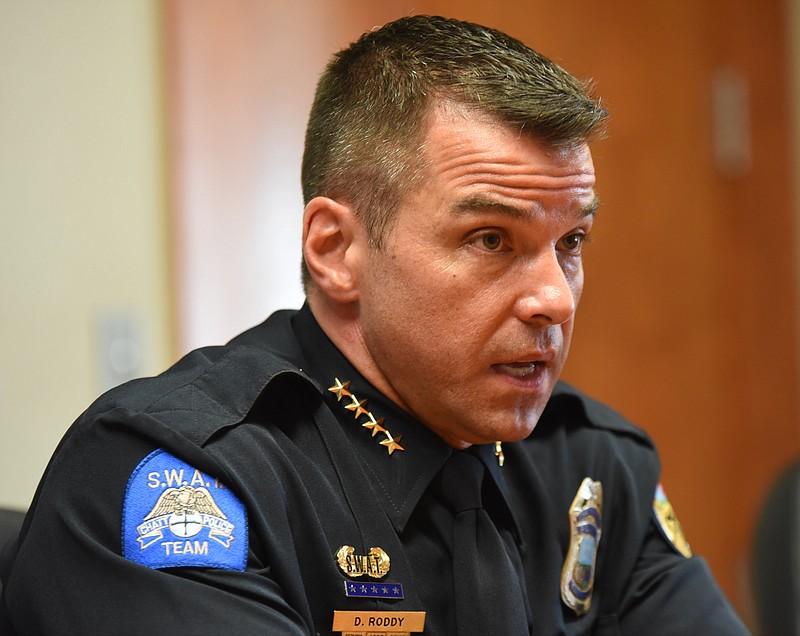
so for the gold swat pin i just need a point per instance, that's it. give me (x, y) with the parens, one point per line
(585, 520)
(375, 564)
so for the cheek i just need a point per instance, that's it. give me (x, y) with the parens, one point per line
(577, 288)
(429, 300)
(425, 317)
(426, 290)
(574, 277)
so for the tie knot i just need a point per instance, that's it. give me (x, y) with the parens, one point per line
(461, 480)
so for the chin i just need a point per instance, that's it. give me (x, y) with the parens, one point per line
(517, 434)
(511, 433)
(524, 425)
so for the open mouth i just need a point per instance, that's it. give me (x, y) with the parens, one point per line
(519, 369)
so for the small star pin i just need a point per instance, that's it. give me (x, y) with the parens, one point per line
(357, 406)
(374, 425)
(392, 443)
(340, 389)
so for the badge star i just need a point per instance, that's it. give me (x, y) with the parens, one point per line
(357, 406)
(374, 425)
(340, 389)
(392, 443)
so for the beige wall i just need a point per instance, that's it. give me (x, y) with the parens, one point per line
(83, 244)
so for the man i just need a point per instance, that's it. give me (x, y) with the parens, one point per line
(397, 456)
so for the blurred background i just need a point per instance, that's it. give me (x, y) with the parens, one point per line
(150, 203)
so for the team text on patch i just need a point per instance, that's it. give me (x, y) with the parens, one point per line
(174, 515)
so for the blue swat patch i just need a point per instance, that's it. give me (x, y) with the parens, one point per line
(176, 516)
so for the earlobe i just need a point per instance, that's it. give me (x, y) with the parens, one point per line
(331, 236)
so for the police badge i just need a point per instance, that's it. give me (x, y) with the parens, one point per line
(585, 518)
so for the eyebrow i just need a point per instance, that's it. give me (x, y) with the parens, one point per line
(476, 203)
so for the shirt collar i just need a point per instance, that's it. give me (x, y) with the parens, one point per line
(400, 478)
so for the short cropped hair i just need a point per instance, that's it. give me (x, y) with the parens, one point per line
(367, 126)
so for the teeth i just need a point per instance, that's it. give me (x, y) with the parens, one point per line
(521, 369)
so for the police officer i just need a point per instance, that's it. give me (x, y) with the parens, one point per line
(399, 455)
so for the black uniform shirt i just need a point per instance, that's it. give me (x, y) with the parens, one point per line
(295, 477)
(401, 482)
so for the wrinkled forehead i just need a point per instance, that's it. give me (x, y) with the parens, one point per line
(472, 145)
(453, 129)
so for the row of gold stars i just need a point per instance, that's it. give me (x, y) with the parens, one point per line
(341, 389)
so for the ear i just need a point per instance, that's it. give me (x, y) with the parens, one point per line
(332, 240)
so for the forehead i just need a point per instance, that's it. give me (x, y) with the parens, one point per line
(470, 152)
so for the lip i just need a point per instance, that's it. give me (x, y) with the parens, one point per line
(545, 356)
(526, 368)
(519, 370)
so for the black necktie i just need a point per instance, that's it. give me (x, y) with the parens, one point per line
(490, 596)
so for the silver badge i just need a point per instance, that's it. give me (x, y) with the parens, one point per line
(585, 520)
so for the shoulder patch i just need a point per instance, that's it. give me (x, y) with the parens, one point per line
(174, 515)
(668, 523)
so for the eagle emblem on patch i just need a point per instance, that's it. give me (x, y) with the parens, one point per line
(668, 523)
(585, 520)
(174, 515)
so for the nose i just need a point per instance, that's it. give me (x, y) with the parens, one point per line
(549, 292)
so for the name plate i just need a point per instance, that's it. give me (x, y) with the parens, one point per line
(362, 623)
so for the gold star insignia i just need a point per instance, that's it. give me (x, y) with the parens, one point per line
(374, 425)
(392, 443)
(340, 390)
(357, 406)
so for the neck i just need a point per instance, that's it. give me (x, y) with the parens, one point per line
(340, 324)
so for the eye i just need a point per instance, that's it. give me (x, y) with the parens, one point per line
(491, 242)
(574, 242)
